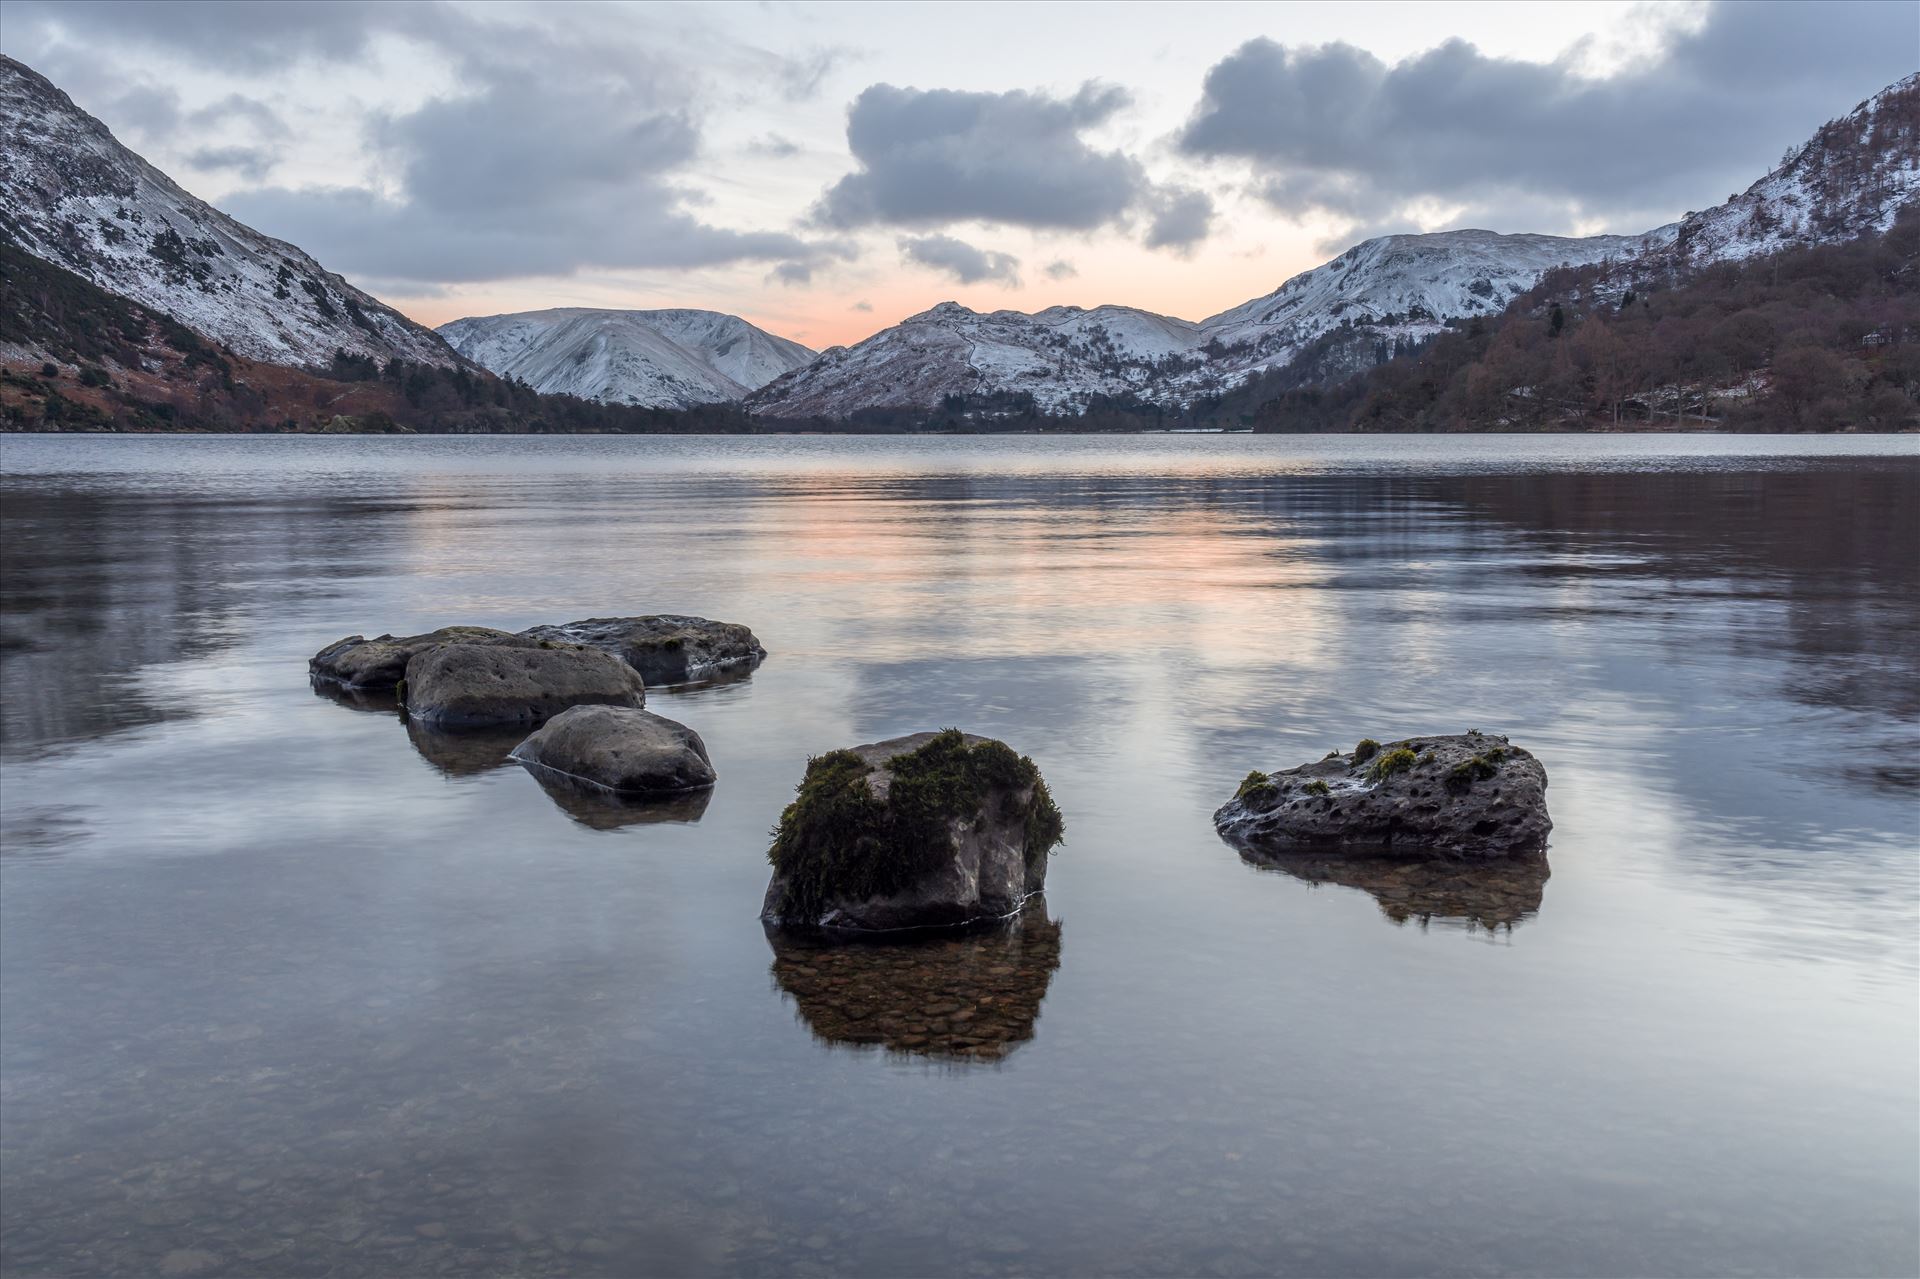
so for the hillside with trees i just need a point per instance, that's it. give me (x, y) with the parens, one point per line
(1812, 338)
(74, 357)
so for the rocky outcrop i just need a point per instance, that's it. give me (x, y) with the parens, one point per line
(615, 748)
(470, 685)
(381, 662)
(954, 997)
(1471, 795)
(931, 830)
(667, 648)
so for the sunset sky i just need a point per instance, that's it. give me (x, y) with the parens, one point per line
(825, 170)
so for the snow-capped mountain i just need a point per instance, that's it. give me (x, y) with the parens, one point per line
(1396, 286)
(1402, 286)
(657, 359)
(1062, 356)
(74, 196)
(1850, 179)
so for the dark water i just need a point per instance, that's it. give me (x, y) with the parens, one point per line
(287, 990)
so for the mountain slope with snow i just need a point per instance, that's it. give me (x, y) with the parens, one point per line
(74, 196)
(656, 359)
(1850, 179)
(1403, 286)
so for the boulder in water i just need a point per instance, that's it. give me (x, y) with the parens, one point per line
(1469, 795)
(667, 648)
(619, 749)
(357, 662)
(472, 685)
(931, 830)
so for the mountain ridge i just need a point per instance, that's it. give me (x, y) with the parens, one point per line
(673, 357)
(74, 195)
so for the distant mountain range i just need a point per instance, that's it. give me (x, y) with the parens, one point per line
(1399, 286)
(670, 359)
(75, 198)
(1378, 296)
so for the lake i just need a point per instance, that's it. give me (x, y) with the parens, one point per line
(288, 987)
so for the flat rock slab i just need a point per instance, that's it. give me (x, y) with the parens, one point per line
(623, 750)
(471, 685)
(666, 648)
(925, 831)
(357, 662)
(1469, 795)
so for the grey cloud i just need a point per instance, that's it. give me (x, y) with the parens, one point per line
(800, 78)
(1060, 269)
(961, 260)
(774, 146)
(861, 306)
(245, 37)
(930, 157)
(1334, 128)
(256, 115)
(563, 148)
(251, 163)
(791, 274)
(1182, 218)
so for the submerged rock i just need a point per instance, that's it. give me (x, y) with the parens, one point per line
(960, 997)
(930, 830)
(381, 662)
(615, 748)
(469, 685)
(1470, 795)
(667, 648)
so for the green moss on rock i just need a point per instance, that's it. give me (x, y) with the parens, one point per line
(1392, 762)
(1366, 750)
(839, 840)
(1257, 787)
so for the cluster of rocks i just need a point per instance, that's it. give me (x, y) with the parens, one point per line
(581, 687)
(937, 830)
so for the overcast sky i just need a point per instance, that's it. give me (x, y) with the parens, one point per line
(826, 169)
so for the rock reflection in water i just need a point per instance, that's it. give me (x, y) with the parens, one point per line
(466, 752)
(955, 997)
(598, 808)
(378, 700)
(1494, 894)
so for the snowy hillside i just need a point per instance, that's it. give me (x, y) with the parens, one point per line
(1398, 286)
(657, 359)
(1062, 356)
(75, 197)
(1848, 180)
(1404, 285)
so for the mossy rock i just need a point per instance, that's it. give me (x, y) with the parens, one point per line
(1467, 795)
(930, 830)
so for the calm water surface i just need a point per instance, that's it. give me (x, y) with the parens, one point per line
(288, 989)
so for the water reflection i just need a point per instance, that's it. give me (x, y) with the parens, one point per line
(598, 808)
(967, 997)
(466, 752)
(1493, 895)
